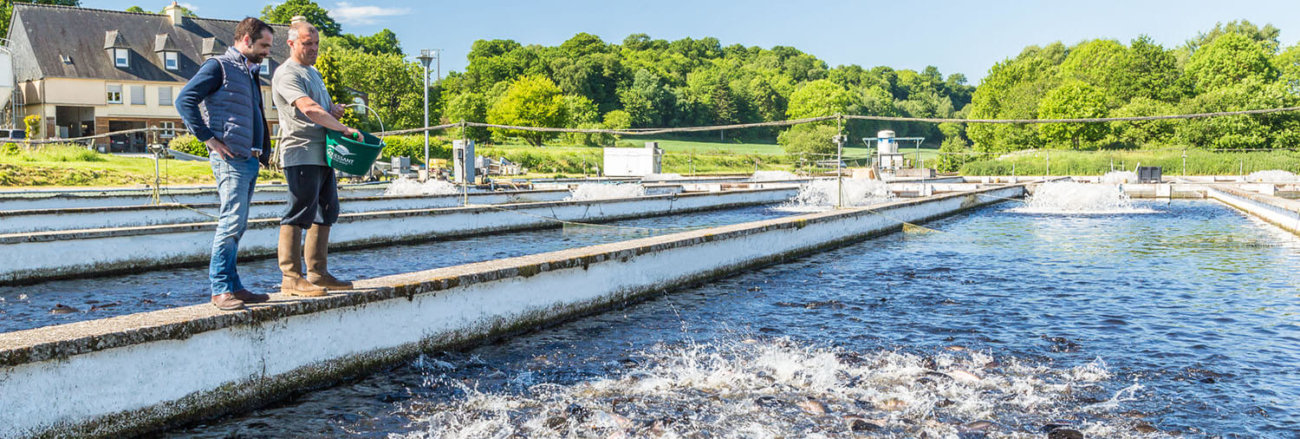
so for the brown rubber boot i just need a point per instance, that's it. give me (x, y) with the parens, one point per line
(290, 251)
(318, 240)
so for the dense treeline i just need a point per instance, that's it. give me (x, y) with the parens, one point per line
(1236, 66)
(645, 82)
(586, 82)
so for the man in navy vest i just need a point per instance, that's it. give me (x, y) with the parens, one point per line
(222, 106)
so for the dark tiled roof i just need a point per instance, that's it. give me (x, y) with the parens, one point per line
(40, 34)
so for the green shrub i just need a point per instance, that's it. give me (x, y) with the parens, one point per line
(10, 148)
(413, 147)
(62, 153)
(188, 144)
(33, 125)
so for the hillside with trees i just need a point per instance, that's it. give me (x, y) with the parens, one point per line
(639, 82)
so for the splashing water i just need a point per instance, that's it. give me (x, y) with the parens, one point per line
(1271, 176)
(820, 195)
(1117, 177)
(409, 186)
(1065, 197)
(602, 191)
(780, 388)
(773, 176)
(661, 177)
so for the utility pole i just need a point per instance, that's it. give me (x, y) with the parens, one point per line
(425, 57)
(839, 162)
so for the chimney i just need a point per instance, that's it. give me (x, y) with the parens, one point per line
(174, 13)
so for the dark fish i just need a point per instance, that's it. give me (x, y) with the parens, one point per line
(60, 308)
(106, 305)
(1065, 433)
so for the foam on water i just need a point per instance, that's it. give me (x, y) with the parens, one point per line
(819, 195)
(1272, 176)
(603, 191)
(1117, 177)
(661, 177)
(773, 176)
(779, 388)
(1067, 197)
(410, 186)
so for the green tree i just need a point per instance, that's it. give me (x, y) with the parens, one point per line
(1073, 100)
(1103, 64)
(809, 141)
(646, 100)
(1012, 90)
(382, 42)
(1143, 133)
(815, 99)
(1154, 72)
(818, 98)
(283, 13)
(533, 101)
(1288, 64)
(7, 10)
(953, 153)
(1266, 37)
(394, 86)
(1245, 131)
(468, 107)
(1230, 59)
(137, 9)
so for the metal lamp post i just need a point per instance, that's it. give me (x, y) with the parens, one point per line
(426, 56)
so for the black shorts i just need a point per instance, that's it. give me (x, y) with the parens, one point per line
(313, 196)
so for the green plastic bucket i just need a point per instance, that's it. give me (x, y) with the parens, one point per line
(351, 155)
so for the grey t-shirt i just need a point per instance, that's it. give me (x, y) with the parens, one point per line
(302, 142)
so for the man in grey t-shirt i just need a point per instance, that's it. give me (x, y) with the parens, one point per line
(302, 102)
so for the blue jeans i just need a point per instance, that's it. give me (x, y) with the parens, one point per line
(235, 181)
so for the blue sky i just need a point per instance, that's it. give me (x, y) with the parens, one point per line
(958, 37)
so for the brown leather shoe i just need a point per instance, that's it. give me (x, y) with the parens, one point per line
(251, 297)
(227, 302)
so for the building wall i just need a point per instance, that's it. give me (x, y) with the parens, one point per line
(42, 96)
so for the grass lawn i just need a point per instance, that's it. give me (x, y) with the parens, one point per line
(57, 165)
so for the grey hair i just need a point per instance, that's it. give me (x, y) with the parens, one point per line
(298, 27)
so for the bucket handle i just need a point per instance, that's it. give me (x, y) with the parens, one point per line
(372, 111)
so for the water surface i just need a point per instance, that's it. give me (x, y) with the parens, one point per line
(1182, 322)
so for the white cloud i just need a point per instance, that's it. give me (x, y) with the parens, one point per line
(190, 6)
(346, 13)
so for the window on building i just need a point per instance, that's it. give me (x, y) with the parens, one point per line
(266, 67)
(275, 130)
(114, 94)
(168, 129)
(66, 59)
(165, 96)
(171, 60)
(137, 95)
(122, 57)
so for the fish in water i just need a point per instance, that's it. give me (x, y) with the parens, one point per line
(813, 407)
(60, 308)
(964, 376)
(979, 426)
(106, 305)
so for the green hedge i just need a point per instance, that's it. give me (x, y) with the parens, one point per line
(413, 147)
(188, 144)
(1199, 162)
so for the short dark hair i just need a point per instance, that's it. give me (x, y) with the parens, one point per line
(252, 28)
